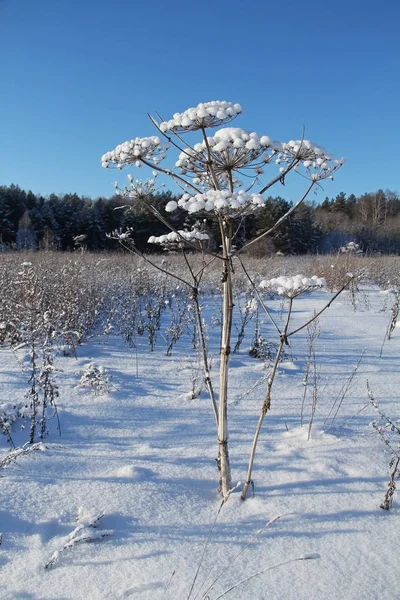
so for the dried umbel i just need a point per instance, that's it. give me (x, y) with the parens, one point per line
(212, 162)
(133, 151)
(291, 287)
(230, 149)
(218, 202)
(181, 235)
(203, 116)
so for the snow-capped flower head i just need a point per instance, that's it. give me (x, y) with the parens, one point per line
(219, 202)
(231, 148)
(350, 248)
(291, 287)
(133, 151)
(205, 114)
(178, 238)
(205, 181)
(317, 162)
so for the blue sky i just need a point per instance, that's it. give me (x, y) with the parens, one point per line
(78, 77)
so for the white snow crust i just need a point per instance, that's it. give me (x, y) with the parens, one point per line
(145, 457)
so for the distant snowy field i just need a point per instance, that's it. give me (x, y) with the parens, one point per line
(143, 455)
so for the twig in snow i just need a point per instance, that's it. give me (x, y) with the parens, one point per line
(25, 450)
(85, 531)
(286, 562)
(205, 595)
(343, 392)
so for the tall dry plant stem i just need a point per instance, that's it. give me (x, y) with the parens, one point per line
(227, 312)
(266, 405)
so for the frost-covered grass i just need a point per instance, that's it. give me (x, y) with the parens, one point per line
(143, 453)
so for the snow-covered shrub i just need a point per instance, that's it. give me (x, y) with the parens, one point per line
(10, 412)
(351, 248)
(96, 378)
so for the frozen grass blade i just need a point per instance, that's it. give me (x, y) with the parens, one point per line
(167, 587)
(249, 542)
(205, 548)
(286, 562)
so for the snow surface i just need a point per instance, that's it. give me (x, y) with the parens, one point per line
(145, 457)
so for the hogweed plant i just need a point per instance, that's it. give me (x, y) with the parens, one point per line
(224, 178)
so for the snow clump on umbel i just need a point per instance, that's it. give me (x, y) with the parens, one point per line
(175, 237)
(290, 287)
(205, 114)
(231, 148)
(133, 151)
(218, 201)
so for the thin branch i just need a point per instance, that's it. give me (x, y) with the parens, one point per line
(266, 405)
(209, 161)
(167, 223)
(134, 250)
(205, 265)
(279, 221)
(241, 551)
(170, 174)
(281, 176)
(316, 315)
(281, 564)
(258, 295)
(170, 140)
(205, 548)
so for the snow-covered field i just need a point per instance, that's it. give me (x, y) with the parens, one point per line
(143, 455)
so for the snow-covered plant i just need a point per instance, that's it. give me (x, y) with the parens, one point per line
(394, 315)
(389, 432)
(178, 238)
(291, 287)
(205, 589)
(211, 174)
(10, 412)
(180, 320)
(247, 310)
(203, 116)
(96, 378)
(311, 376)
(351, 248)
(85, 531)
(26, 450)
(35, 329)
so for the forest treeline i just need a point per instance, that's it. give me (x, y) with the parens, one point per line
(29, 221)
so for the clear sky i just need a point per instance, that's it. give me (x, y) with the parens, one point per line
(78, 77)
